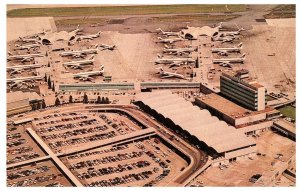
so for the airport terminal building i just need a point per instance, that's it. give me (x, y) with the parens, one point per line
(221, 141)
(249, 94)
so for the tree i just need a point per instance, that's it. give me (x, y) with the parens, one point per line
(49, 83)
(34, 106)
(98, 100)
(43, 104)
(45, 77)
(39, 105)
(102, 100)
(53, 87)
(106, 100)
(85, 98)
(57, 102)
(70, 99)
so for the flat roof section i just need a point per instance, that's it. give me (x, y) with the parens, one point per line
(224, 106)
(286, 125)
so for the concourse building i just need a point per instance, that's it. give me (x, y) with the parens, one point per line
(198, 126)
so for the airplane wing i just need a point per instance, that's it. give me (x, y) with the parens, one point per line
(223, 52)
(167, 76)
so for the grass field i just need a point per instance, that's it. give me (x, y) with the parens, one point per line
(123, 10)
(282, 11)
(288, 111)
(190, 18)
(269, 98)
(71, 22)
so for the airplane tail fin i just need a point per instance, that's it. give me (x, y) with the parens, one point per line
(99, 33)
(159, 56)
(220, 25)
(159, 38)
(160, 68)
(17, 45)
(243, 56)
(166, 46)
(9, 53)
(97, 45)
(101, 67)
(159, 29)
(240, 45)
(92, 57)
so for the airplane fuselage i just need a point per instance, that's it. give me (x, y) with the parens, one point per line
(178, 50)
(79, 52)
(229, 60)
(172, 60)
(24, 57)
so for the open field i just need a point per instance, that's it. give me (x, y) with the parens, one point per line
(274, 64)
(282, 11)
(123, 10)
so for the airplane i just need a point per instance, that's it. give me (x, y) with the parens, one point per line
(86, 76)
(26, 47)
(80, 53)
(20, 81)
(164, 74)
(168, 33)
(21, 68)
(80, 63)
(107, 47)
(223, 39)
(231, 33)
(26, 40)
(23, 58)
(174, 61)
(89, 37)
(180, 51)
(169, 40)
(228, 61)
(225, 51)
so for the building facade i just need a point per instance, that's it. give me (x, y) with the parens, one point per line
(251, 95)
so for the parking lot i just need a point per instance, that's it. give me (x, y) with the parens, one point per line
(20, 146)
(64, 131)
(36, 174)
(141, 163)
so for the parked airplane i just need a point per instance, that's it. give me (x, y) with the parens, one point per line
(27, 47)
(223, 39)
(20, 81)
(229, 61)
(79, 64)
(231, 33)
(107, 47)
(86, 76)
(180, 51)
(164, 74)
(21, 68)
(89, 37)
(26, 40)
(168, 33)
(169, 40)
(174, 61)
(80, 53)
(226, 51)
(23, 58)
